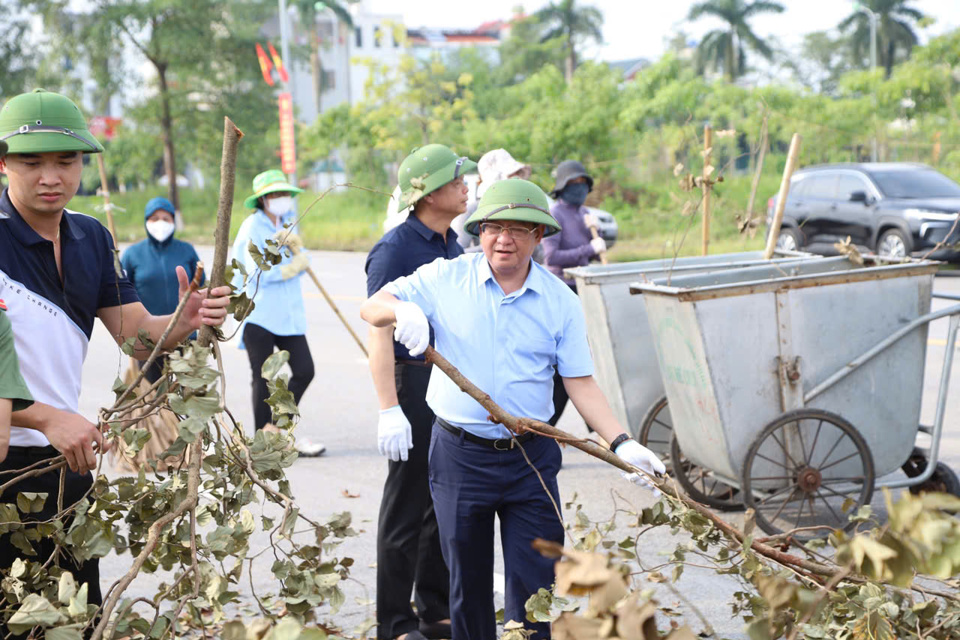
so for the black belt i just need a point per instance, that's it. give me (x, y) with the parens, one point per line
(35, 452)
(500, 444)
(416, 363)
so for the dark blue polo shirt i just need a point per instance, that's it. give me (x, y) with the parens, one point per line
(400, 252)
(53, 319)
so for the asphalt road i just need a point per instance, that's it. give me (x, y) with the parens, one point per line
(340, 409)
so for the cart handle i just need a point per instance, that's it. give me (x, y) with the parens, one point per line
(884, 344)
(947, 296)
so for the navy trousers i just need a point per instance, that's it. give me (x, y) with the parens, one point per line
(471, 483)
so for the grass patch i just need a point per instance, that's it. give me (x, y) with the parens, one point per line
(352, 220)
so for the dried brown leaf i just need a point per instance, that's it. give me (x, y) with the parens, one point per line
(346, 494)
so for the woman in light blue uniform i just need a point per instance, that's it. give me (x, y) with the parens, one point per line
(278, 320)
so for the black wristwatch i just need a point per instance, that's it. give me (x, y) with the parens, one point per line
(619, 440)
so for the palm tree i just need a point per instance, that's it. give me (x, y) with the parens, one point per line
(573, 23)
(309, 9)
(724, 48)
(894, 30)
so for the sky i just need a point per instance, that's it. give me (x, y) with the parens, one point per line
(638, 28)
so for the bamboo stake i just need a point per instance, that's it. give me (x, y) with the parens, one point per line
(707, 171)
(756, 175)
(106, 197)
(788, 170)
(333, 305)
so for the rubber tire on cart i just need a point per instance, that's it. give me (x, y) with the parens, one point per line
(943, 480)
(700, 484)
(656, 430)
(790, 239)
(806, 478)
(897, 238)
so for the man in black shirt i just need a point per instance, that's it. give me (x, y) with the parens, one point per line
(408, 541)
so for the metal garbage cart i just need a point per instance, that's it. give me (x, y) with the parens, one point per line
(627, 369)
(801, 384)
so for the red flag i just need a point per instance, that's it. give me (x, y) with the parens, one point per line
(288, 154)
(265, 65)
(279, 63)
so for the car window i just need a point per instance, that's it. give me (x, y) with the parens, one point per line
(915, 183)
(798, 187)
(822, 186)
(848, 183)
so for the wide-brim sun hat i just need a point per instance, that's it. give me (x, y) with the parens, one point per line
(42, 122)
(498, 165)
(427, 169)
(268, 182)
(514, 199)
(570, 170)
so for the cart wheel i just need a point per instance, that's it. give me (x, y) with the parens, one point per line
(656, 430)
(943, 480)
(793, 478)
(700, 484)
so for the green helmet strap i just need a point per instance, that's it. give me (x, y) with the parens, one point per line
(40, 128)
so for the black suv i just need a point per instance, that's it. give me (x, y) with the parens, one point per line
(894, 209)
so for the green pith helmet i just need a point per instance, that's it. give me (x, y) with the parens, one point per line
(269, 182)
(513, 199)
(427, 169)
(42, 121)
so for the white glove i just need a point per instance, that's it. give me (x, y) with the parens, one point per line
(413, 330)
(639, 456)
(599, 245)
(590, 220)
(394, 436)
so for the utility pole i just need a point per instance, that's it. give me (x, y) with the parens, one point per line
(873, 63)
(290, 85)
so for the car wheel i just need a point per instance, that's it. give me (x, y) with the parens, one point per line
(790, 239)
(894, 244)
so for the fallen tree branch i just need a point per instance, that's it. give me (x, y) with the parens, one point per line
(520, 425)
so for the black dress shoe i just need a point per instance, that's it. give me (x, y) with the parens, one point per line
(436, 630)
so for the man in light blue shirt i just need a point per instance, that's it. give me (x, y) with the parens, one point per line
(505, 322)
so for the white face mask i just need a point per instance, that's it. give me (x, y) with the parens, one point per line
(160, 230)
(280, 206)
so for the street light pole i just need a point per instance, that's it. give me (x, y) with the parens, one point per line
(873, 62)
(290, 85)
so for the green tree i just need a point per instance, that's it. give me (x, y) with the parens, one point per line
(200, 55)
(523, 53)
(16, 56)
(309, 10)
(724, 48)
(822, 60)
(895, 30)
(574, 24)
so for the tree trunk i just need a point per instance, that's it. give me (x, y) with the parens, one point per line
(316, 70)
(728, 60)
(166, 127)
(571, 61)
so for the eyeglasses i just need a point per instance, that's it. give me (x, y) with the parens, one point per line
(517, 233)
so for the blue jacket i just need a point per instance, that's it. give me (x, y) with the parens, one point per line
(278, 302)
(152, 268)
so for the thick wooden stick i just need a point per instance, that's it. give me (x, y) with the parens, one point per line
(520, 425)
(333, 305)
(706, 186)
(788, 170)
(596, 234)
(228, 169)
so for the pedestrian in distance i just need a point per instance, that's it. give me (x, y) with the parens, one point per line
(573, 246)
(505, 322)
(278, 320)
(493, 166)
(409, 557)
(150, 266)
(57, 275)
